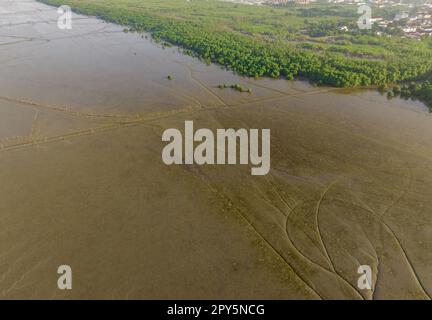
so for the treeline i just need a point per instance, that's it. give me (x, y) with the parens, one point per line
(420, 91)
(255, 57)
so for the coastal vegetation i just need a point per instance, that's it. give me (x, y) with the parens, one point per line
(416, 91)
(288, 42)
(236, 87)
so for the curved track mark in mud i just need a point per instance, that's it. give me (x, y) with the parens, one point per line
(398, 242)
(320, 236)
(304, 256)
(226, 200)
(300, 252)
(317, 225)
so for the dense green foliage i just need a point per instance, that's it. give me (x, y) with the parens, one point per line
(420, 91)
(235, 86)
(272, 41)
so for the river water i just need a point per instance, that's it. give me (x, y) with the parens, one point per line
(82, 113)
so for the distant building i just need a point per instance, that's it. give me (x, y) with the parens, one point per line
(401, 15)
(376, 19)
(409, 29)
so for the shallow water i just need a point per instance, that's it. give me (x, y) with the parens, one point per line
(82, 112)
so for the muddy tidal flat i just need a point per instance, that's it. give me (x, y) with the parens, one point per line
(82, 113)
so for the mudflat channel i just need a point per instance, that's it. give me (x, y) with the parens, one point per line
(82, 181)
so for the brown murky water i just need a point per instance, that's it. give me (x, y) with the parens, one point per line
(82, 112)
